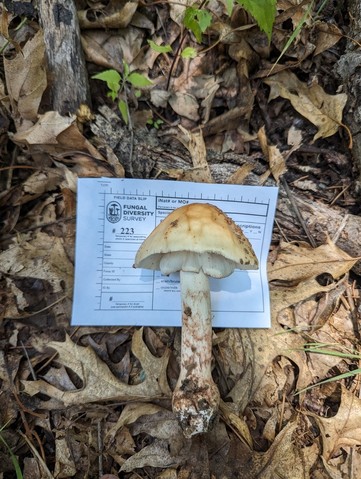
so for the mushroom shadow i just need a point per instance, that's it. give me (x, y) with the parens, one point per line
(235, 283)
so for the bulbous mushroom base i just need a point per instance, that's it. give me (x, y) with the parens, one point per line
(195, 406)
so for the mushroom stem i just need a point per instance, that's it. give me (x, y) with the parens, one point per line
(196, 397)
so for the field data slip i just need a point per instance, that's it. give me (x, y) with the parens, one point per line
(114, 216)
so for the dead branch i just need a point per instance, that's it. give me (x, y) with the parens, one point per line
(67, 73)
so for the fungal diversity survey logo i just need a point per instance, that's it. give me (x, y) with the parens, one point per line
(113, 212)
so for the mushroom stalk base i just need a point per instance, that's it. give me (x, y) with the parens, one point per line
(196, 397)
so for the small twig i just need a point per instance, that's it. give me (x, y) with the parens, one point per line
(353, 313)
(25, 410)
(32, 372)
(175, 59)
(130, 127)
(29, 315)
(37, 456)
(155, 112)
(29, 433)
(298, 213)
(281, 230)
(340, 194)
(9, 176)
(280, 421)
(35, 227)
(131, 152)
(337, 233)
(17, 167)
(100, 449)
(222, 122)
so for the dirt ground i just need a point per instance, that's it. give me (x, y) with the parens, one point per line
(226, 107)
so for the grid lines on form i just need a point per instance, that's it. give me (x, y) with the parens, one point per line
(100, 247)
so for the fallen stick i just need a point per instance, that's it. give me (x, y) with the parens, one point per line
(66, 69)
(322, 221)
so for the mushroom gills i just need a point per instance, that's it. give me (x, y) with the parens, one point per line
(211, 264)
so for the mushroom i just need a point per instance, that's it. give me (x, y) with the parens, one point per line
(198, 240)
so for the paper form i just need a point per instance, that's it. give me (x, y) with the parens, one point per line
(114, 216)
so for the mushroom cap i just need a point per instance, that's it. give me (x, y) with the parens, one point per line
(194, 237)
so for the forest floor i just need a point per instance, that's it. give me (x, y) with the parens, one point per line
(95, 402)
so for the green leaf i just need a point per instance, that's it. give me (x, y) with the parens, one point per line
(190, 22)
(125, 69)
(189, 52)
(229, 6)
(159, 48)
(14, 459)
(138, 80)
(204, 18)
(197, 21)
(263, 11)
(155, 123)
(194, 27)
(317, 349)
(112, 79)
(295, 33)
(123, 108)
(112, 94)
(349, 374)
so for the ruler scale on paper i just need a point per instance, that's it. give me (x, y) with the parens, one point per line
(114, 216)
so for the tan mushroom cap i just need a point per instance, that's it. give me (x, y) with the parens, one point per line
(193, 237)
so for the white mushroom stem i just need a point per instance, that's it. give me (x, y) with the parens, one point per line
(196, 397)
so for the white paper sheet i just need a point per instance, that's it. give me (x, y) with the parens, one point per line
(114, 216)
